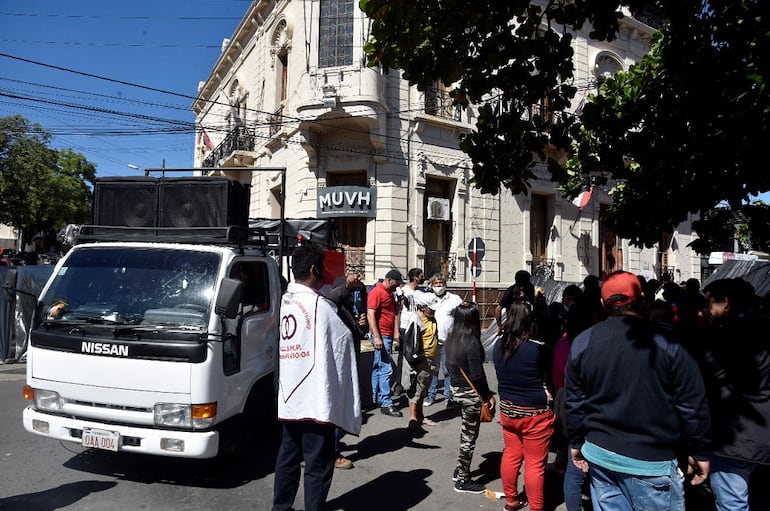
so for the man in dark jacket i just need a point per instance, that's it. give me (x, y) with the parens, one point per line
(736, 369)
(634, 400)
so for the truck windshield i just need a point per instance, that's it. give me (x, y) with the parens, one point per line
(135, 286)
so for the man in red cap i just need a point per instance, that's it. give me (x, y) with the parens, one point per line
(634, 399)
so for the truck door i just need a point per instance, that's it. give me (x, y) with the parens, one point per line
(249, 343)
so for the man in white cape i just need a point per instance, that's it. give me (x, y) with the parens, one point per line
(318, 385)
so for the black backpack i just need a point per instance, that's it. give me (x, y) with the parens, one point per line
(411, 345)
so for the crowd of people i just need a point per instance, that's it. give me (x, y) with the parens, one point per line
(644, 391)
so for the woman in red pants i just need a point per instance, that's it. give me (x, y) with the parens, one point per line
(521, 363)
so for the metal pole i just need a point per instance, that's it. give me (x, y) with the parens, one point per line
(475, 263)
(283, 222)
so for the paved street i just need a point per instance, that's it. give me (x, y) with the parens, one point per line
(393, 471)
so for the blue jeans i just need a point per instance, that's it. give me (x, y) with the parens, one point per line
(573, 485)
(615, 491)
(381, 371)
(314, 443)
(447, 381)
(729, 479)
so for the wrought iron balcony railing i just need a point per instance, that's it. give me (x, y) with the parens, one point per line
(439, 103)
(240, 138)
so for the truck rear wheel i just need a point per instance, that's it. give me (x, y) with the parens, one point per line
(255, 429)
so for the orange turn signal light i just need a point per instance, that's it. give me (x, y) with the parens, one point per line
(204, 411)
(29, 393)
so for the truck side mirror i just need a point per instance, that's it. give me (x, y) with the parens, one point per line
(229, 297)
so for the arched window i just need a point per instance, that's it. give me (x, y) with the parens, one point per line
(607, 64)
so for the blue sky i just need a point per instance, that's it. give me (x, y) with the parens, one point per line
(72, 66)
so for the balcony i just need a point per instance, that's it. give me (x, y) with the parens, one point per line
(439, 103)
(240, 138)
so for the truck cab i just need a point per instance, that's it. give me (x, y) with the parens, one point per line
(158, 346)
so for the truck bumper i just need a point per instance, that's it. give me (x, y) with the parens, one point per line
(182, 444)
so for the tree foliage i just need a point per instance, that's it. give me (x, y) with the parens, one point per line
(677, 133)
(692, 116)
(41, 189)
(718, 229)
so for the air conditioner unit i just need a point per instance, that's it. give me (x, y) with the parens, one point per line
(438, 208)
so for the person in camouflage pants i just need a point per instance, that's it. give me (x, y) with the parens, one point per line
(465, 352)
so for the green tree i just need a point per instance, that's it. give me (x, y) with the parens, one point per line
(692, 117)
(719, 227)
(41, 189)
(677, 133)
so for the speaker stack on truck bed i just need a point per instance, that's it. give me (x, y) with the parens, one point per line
(142, 207)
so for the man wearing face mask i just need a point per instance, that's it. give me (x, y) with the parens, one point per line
(446, 303)
(410, 295)
(317, 384)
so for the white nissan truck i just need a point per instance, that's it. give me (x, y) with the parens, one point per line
(163, 344)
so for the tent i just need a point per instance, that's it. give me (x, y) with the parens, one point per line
(755, 272)
(322, 232)
(16, 309)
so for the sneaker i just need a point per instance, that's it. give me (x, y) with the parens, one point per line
(343, 463)
(391, 410)
(451, 404)
(427, 401)
(515, 505)
(468, 486)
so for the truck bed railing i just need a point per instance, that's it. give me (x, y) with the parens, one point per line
(235, 235)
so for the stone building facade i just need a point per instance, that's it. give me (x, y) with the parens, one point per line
(291, 91)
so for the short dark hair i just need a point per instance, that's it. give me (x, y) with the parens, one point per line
(522, 277)
(305, 257)
(414, 272)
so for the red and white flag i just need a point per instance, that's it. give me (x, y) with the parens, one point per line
(582, 200)
(206, 140)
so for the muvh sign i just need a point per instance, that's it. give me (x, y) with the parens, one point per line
(347, 201)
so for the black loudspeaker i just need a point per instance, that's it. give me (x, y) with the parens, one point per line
(202, 202)
(131, 202)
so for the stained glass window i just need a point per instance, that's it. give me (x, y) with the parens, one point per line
(336, 33)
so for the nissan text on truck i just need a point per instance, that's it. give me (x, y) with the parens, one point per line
(157, 331)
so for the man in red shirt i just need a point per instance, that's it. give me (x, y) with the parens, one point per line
(383, 331)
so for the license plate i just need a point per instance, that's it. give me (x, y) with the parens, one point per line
(100, 439)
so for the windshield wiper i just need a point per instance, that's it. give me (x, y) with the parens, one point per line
(99, 320)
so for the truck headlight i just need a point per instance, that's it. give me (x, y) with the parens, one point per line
(48, 400)
(174, 415)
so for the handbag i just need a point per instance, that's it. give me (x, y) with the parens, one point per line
(487, 410)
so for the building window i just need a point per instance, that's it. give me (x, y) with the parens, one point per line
(282, 75)
(538, 231)
(276, 202)
(351, 231)
(437, 227)
(610, 256)
(438, 102)
(606, 65)
(336, 33)
(237, 100)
